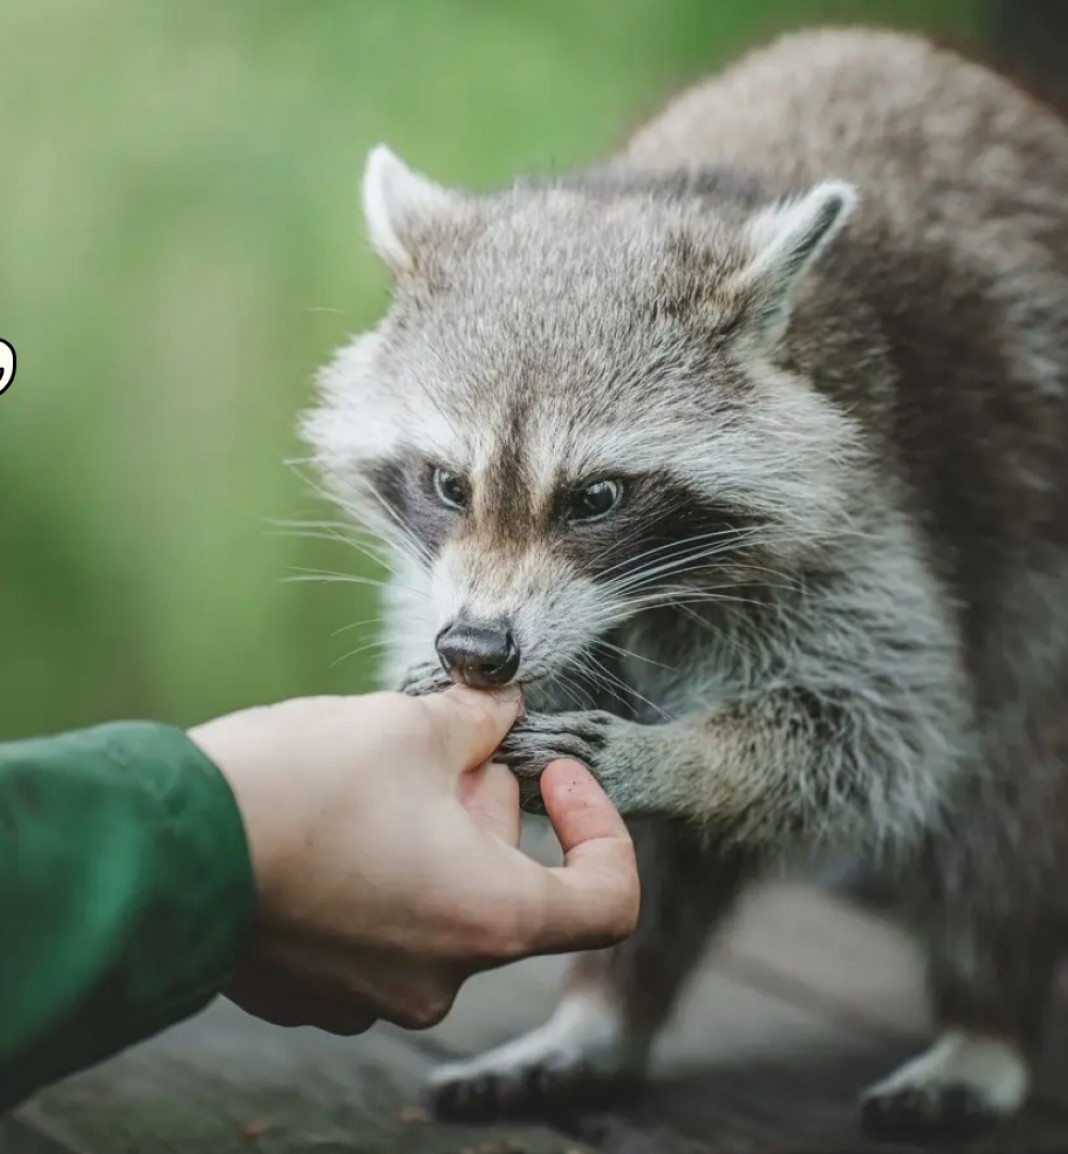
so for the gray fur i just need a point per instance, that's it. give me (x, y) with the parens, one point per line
(816, 315)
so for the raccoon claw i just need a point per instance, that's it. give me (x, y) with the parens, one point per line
(422, 680)
(539, 738)
(927, 1114)
(963, 1085)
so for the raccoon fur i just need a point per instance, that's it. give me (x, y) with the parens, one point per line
(745, 452)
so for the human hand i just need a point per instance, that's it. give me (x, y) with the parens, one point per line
(385, 852)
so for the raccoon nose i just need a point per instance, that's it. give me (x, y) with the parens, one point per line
(478, 655)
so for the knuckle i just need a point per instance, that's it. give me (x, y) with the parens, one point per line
(498, 938)
(428, 1009)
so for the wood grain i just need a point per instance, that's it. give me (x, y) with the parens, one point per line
(805, 1002)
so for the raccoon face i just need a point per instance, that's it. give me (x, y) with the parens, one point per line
(576, 409)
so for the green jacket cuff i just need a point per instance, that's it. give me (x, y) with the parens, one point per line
(125, 890)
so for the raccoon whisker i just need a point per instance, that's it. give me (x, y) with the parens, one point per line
(666, 546)
(723, 535)
(314, 532)
(639, 589)
(419, 552)
(346, 527)
(786, 582)
(406, 529)
(580, 696)
(603, 680)
(310, 482)
(624, 652)
(676, 565)
(403, 546)
(628, 692)
(754, 535)
(692, 550)
(577, 697)
(327, 576)
(314, 535)
(643, 526)
(370, 647)
(344, 530)
(351, 534)
(710, 595)
(675, 600)
(355, 625)
(731, 639)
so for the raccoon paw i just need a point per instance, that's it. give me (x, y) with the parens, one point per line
(963, 1085)
(580, 1048)
(424, 679)
(539, 738)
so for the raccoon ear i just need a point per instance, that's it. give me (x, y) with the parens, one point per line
(398, 206)
(785, 240)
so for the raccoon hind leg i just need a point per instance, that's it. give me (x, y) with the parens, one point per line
(617, 1000)
(989, 983)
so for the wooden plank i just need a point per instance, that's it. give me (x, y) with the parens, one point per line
(809, 1002)
(725, 1026)
(853, 964)
(800, 1107)
(742, 1072)
(224, 1083)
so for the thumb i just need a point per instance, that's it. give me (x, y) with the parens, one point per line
(593, 900)
(469, 724)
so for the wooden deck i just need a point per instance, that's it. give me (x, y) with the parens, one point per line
(806, 1002)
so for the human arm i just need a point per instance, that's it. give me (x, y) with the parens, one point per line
(384, 871)
(125, 889)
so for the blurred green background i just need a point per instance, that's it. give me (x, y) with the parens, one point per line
(180, 248)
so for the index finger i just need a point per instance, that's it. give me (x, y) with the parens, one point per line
(592, 901)
(469, 724)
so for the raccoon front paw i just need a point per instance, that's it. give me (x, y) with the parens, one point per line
(540, 738)
(489, 1087)
(581, 1049)
(963, 1085)
(422, 680)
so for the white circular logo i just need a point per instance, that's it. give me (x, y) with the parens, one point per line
(7, 365)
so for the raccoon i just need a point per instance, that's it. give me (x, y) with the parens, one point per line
(745, 452)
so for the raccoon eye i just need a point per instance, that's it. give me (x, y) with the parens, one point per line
(594, 501)
(450, 488)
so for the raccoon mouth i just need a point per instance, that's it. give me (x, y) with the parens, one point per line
(581, 681)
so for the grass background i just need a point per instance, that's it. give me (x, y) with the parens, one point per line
(180, 248)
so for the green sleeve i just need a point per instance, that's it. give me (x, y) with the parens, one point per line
(125, 888)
